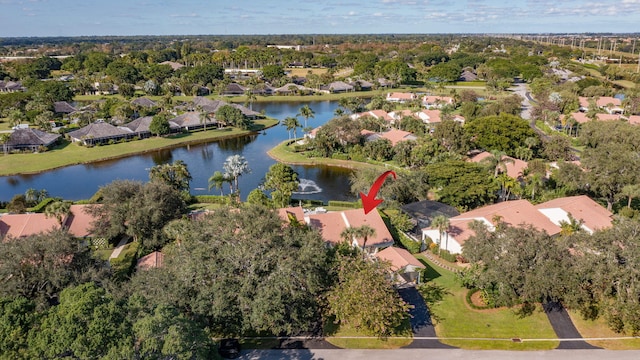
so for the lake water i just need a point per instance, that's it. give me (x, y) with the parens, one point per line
(82, 181)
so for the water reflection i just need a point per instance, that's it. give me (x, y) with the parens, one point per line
(82, 181)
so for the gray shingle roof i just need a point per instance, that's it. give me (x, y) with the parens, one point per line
(31, 137)
(143, 101)
(141, 125)
(191, 119)
(63, 107)
(98, 130)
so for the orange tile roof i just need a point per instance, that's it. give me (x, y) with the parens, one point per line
(79, 221)
(513, 213)
(296, 212)
(332, 224)
(401, 96)
(22, 225)
(151, 261)
(604, 101)
(395, 136)
(634, 119)
(515, 169)
(379, 114)
(399, 258)
(429, 99)
(432, 116)
(582, 208)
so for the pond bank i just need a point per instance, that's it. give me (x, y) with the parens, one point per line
(73, 154)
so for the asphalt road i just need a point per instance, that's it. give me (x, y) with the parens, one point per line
(440, 354)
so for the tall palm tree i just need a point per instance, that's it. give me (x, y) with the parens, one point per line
(291, 123)
(251, 97)
(348, 234)
(59, 210)
(365, 232)
(234, 167)
(217, 180)
(306, 112)
(498, 161)
(441, 223)
(4, 139)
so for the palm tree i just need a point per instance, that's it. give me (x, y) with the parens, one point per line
(58, 209)
(4, 139)
(570, 227)
(498, 161)
(251, 97)
(217, 180)
(630, 191)
(535, 181)
(363, 232)
(234, 167)
(306, 112)
(204, 117)
(31, 195)
(441, 223)
(291, 123)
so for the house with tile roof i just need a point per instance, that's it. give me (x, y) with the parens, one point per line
(77, 222)
(393, 135)
(150, 261)
(515, 167)
(406, 268)
(608, 103)
(436, 102)
(429, 116)
(376, 114)
(331, 224)
(401, 97)
(589, 213)
(22, 225)
(30, 139)
(547, 217)
(292, 88)
(512, 213)
(582, 118)
(11, 86)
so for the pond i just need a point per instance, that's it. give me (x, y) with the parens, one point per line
(82, 181)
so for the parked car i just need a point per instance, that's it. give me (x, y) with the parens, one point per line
(229, 348)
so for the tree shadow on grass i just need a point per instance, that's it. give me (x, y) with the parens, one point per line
(429, 273)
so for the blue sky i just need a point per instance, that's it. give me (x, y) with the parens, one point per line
(215, 17)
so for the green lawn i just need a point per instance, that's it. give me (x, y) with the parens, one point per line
(484, 329)
(349, 338)
(285, 154)
(70, 154)
(598, 329)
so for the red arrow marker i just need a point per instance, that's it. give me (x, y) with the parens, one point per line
(369, 202)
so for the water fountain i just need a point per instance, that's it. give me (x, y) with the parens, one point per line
(307, 187)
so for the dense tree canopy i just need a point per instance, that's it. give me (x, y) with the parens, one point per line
(503, 132)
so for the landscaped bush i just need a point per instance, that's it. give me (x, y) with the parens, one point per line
(474, 306)
(213, 199)
(43, 204)
(123, 265)
(307, 202)
(347, 204)
(409, 244)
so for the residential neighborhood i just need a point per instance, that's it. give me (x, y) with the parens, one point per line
(210, 196)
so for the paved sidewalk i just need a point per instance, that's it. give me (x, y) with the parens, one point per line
(116, 252)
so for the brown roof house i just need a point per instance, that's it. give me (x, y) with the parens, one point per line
(23, 225)
(151, 261)
(30, 139)
(98, 132)
(140, 126)
(144, 102)
(406, 268)
(337, 87)
(515, 167)
(431, 102)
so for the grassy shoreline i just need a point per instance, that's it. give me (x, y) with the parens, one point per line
(283, 153)
(69, 154)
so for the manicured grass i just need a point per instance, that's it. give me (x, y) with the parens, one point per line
(4, 124)
(102, 254)
(347, 337)
(285, 154)
(70, 154)
(598, 329)
(484, 329)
